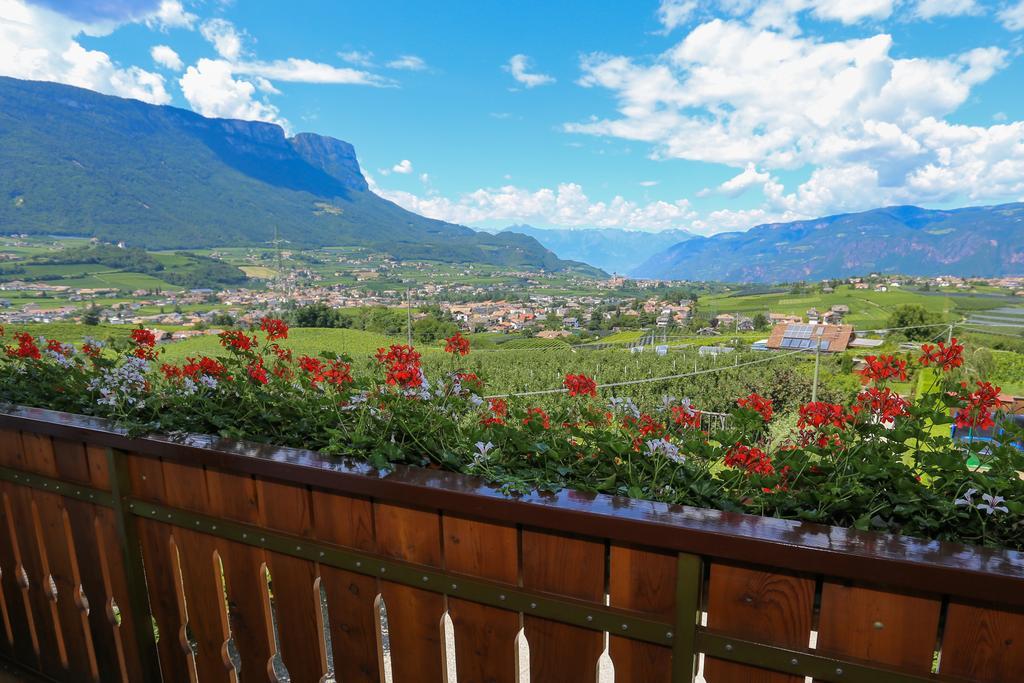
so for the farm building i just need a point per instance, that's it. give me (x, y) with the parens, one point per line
(794, 336)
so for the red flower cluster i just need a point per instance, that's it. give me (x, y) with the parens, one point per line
(537, 415)
(402, 363)
(275, 328)
(977, 414)
(881, 368)
(580, 385)
(885, 403)
(819, 414)
(237, 339)
(26, 347)
(91, 350)
(335, 372)
(759, 404)
(749, 458)
(498, 408)
(145, 343)
(258, 372)
(56, 346)
(457, 344)
(946, 357)
(686, 417)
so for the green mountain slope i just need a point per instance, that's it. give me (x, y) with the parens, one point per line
(973, 241)
(75, 162)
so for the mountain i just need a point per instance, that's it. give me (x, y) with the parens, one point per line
(977, 240)
(75, 162)
(611, 249)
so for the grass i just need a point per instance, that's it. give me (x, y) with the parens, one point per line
(308, 341)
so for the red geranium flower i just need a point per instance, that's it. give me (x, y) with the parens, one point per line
(237, 339)
(258, 372)
(749, 458)
(977, 414)
(537, 414)
(819, 414)
(759, 404)
(580, 385)
(144, 341)
(402, 364)
(275, 328)
(26, 347)
(884, 403)
(91, 350)
(946, 357)
(881, 368)
(687, 417)
(457, 344)
(335, 372)
(498, 408)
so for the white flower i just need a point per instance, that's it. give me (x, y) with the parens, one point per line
(992, 504)
(967, 499)
(670, 450)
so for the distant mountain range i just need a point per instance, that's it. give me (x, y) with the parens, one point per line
(978, 240)
(611, 249)
(75, 162)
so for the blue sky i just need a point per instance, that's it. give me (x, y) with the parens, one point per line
(709, 115)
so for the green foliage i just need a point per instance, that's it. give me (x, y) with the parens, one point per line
(919, 321)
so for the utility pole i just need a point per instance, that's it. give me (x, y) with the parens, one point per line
(817, 367)
(408, 315)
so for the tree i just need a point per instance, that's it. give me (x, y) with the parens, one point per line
(918, 321)
(760, 321)
(91, 316)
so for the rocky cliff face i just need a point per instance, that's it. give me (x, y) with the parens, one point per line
(336, 157)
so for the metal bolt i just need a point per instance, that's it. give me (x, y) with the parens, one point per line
(879, 625)
(298, 547)
(839, 672)
(501, 597)
(425, 579)
(455, 586)
(590, 617)
(533, 605)
(78, 493)
(131, 506)
(728, 647)
(262, 539)
(168, 516)
(625, 627)
(245, 535)
(197, 522)
(794, 661)
(45, 485)
(213, 527)
(669, 634)
(322, 553)
(359, 564)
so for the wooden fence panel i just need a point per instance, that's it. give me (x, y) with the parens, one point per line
(294, 581)
(485, 637)
(351, 597)
(765, 607)
(983, 644)
(414, 615)
(21, 638)
(572, 567)
(235, 497)
(202, 583)
(160, 558)
(879, 626)
(643, 581)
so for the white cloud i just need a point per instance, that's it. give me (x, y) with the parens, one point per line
(403, 166)
(306, 71)
(565, 205)
(929, 9)
(674, 13)
(165, 56)
(224, 37)
(212, 91)
(1012, 16)
(518, 66)
(364, 59)
(748, 178)
(407, 63)
(648, 183)
(40, 44)
(171, 14)
(424, 178)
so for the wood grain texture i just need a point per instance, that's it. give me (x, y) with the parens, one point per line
(485, 637)
(567, 566)
(146, 481)
(879, 626)
(24, 643)
(414, 615)
(294, 581)
(235, 497)
(348, 521)
(185, 487)
(643, 581)
(37, 454)
(984, 645)
(770, 608)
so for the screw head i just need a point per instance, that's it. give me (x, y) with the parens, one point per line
(455, 586)
(669, 634)
(501, 597)
(839, 671)
(533, 605)
(383, 570)
(794, 661)
(878, 625)
(728, 647)
(625, 627)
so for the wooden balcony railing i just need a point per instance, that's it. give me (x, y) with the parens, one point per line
(196, 559)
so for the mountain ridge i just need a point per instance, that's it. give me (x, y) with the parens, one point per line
(182, 180)
(611, 249)
(967, 241)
